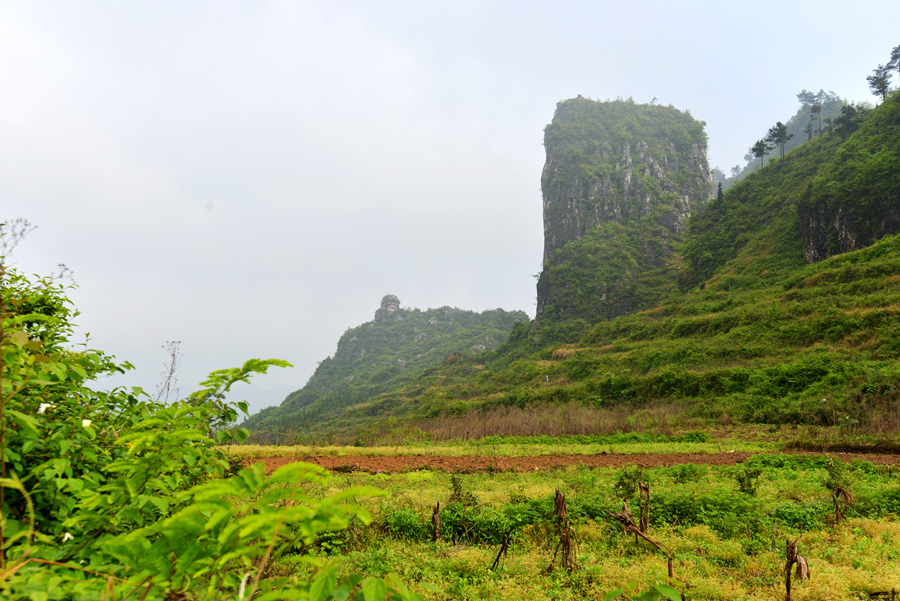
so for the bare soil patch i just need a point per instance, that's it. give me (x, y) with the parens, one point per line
(467, 464)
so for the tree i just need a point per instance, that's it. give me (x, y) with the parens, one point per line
(111, 494)
(895, 58)
(778, 135)
(849, 120)
(760, 150)
(806, 97)
(809, 131)
(815, 112)
(880, 81)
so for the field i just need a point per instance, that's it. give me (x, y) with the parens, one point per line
(723, 517)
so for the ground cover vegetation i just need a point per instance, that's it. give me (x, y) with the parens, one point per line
(112, 495)
(497, 535)
(748, 330)
(379, 355)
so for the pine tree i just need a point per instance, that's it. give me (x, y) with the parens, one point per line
(895, 58)
(778, 135)
(815, 112)
(880, 80)
(760, 150)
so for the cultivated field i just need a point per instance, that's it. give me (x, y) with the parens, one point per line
(721, 508)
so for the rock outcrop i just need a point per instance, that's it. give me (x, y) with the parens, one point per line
(839, 227)
(643, 167)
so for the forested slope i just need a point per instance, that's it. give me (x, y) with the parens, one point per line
(755, 332)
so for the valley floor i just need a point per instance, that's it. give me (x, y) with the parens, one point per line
(465, 464)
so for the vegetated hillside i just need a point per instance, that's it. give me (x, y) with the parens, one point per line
(755, 334)
(619, 183)
(380, 355)
(855, 199)
(816, 116)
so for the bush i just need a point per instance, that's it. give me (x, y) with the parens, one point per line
(101, 490)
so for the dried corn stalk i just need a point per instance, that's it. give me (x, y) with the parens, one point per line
(791, 552)
(567, 542)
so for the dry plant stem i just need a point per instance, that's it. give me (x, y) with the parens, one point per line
(566, 534)
(791, 553)
(624, 517)
(644, 503)
(501, 553)
(435, 522)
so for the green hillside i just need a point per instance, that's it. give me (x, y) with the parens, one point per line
(752, 332)
(380, 355)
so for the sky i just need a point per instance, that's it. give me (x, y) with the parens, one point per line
(251, 178)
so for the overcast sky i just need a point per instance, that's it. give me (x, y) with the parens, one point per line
(251, 178)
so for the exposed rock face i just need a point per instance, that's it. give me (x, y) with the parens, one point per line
(641, 166)
(390, 303)
(590, 177)
(832, 230)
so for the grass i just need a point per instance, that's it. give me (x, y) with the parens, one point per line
(712, 439)
(726, 544)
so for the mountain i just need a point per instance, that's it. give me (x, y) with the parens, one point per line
(619, 184)
(395, 347)
(785, 309)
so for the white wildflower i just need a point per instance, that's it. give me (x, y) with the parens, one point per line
(42, 408)
(85, 423)
(67, 537)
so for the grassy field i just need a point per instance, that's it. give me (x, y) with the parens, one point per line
(712, 439)
(724, 526)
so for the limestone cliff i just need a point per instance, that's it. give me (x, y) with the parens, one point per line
(854, 199)
(620, 180)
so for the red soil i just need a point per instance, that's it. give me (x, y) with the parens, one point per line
(376, 464)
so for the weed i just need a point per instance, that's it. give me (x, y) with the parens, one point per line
(459, 495)
(748, 479)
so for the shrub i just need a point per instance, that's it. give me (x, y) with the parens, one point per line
(101, 490)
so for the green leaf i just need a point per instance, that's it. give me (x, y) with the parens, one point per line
(18, 338)
(613, 594)
(374, 589)
(26, 422)
(668, 592)
(322, 585)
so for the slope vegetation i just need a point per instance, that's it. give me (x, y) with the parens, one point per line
(393, 348)
(752, 332)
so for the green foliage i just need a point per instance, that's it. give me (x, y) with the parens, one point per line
(655, 593)
(627, 483)
(458, 493)
(748, 479)
(856, 191)
(110, 494)
(619, 177)
(395, 348)
(611, 270)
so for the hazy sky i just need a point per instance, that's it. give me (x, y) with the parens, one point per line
(252, 177)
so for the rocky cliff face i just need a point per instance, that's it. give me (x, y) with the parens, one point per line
(643, 167)
(843, 227)
(855, 198)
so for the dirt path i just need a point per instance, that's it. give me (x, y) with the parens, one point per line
(376, 464)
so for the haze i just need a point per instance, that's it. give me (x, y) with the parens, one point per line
(252, 178)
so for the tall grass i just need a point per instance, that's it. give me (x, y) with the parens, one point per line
(559, 420)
